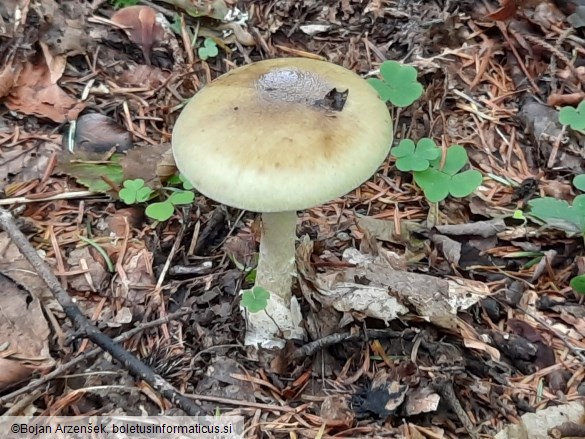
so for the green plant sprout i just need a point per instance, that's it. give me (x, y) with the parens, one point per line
(437, 182)
(573, 117)
(255, 299)
(398, 85)
(208, 50)
(415, 158)
(135, 191)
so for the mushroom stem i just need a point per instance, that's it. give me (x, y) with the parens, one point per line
(276, 264)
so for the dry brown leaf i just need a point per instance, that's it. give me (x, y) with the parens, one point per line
(14, 266)
(55, 64)
(506, 11)
(24, 333)
(143, 162)
(96, 276)
(36, 94)
(141, 26)
(143, 76)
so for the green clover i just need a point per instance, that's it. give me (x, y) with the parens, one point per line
(578, 284)
(256, 299)
(161, 211)
(208, 50)
(398, 85)
(438, 184)
(134, 191)
(411, 158)
(574, 117)
(579, 182)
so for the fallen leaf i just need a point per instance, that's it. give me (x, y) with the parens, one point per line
(24, 162)
(14, 266)
(24, 332)
(96, 276)
(144, 162)
(143, 76)
(97, 135)
(507, 10)
(37, 95)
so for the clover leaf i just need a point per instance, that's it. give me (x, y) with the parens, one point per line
(411, 158)
(181, 197)
(134, 191)
(161, 211)
(438, 184)
(579, 182)
(578, 284)
(256, 299)
(208, 50)
(398, 85)
(574, 117)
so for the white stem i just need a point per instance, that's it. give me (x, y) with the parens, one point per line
(276, 263)
(281, 319)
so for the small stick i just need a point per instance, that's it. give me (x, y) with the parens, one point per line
(333, 339)
(84, 326)
(444, 387)
(63, 196)
(567, 429)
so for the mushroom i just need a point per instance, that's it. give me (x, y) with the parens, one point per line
(276, 137)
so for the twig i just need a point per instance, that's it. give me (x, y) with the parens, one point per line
(444, 387)
(333, 339)
(87, 355)
(567, 429)
(84, 326)
(63, 196)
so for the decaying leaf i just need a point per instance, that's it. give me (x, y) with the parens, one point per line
(144, 162)
(142, 27)
(384, 292)
(506, 11)
(14, 266)
(24, 334)
(97, 135)
(95, 276)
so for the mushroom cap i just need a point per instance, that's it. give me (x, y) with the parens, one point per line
(276, 135)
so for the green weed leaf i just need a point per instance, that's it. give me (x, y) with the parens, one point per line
(256, 299)
(181, 197)
(560, 214)
(208, 50)
(411, 158)
(399, 84)
(579, 182)
(574, 117)
(161, 211)
(578, 284)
